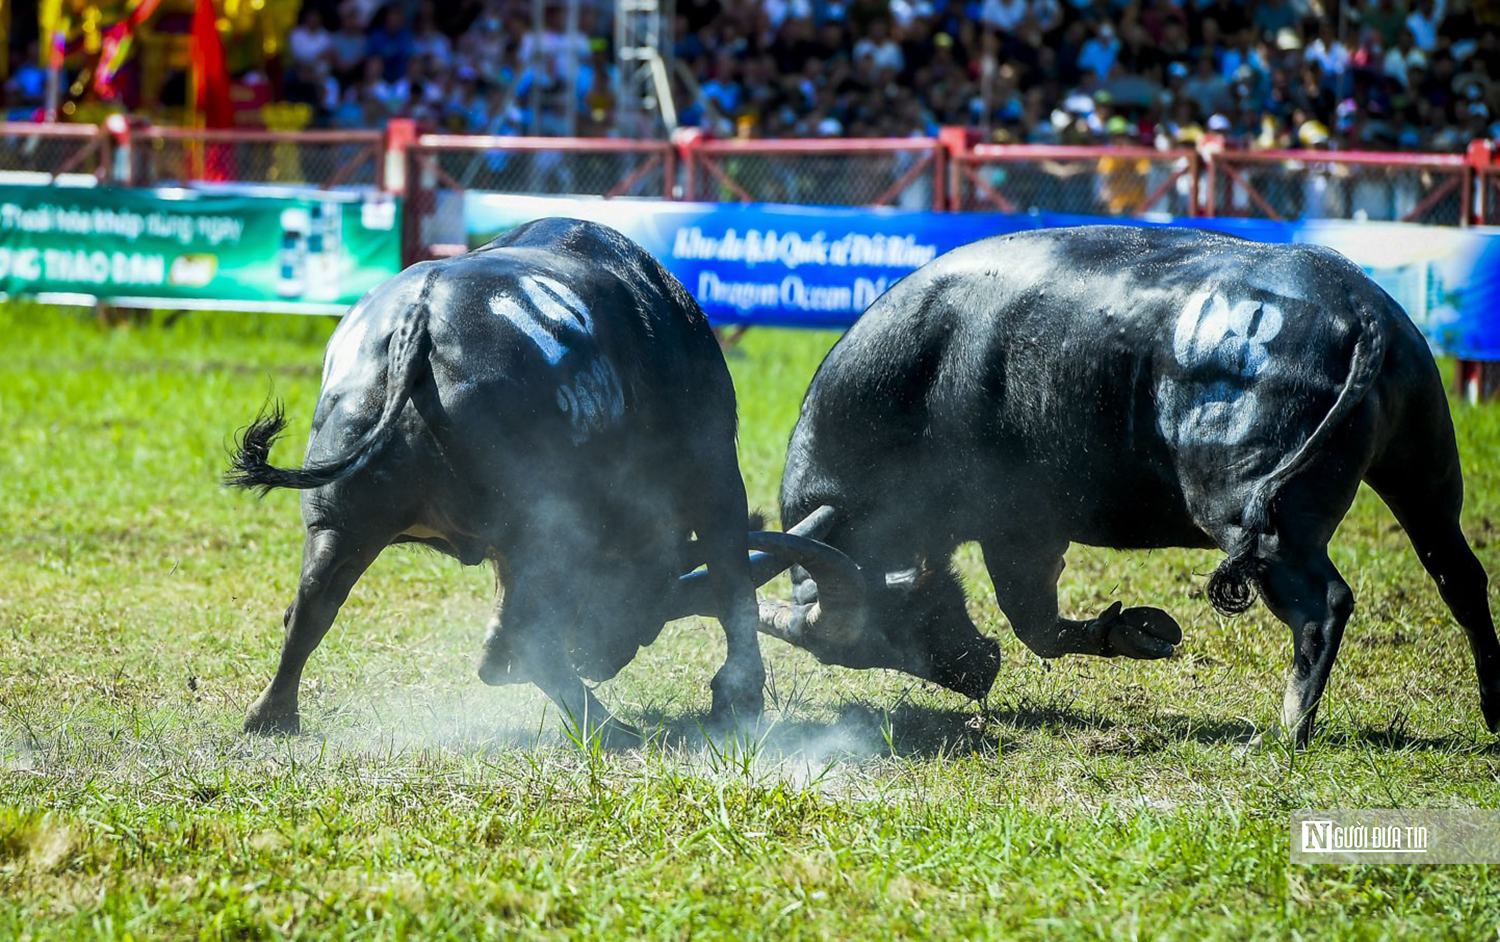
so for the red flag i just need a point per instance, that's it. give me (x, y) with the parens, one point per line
(208, 65)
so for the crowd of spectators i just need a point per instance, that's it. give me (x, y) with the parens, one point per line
(1361, 74)
(1282, 73)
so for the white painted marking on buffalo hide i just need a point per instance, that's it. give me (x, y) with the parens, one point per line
(343, 352)
(1235, 337)
(549, 302)
(557, 302)
(1220, 414)
(1232, 341)
(521, 316)
(594, 400)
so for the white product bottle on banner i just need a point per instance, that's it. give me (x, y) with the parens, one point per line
(325, 251)
(292, 275)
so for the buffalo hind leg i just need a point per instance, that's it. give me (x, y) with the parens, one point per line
(1315, 602)
(1026, 589)
(332, 562)
(1428, 509)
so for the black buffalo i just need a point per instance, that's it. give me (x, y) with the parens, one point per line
(1129, 388)
(555, 403)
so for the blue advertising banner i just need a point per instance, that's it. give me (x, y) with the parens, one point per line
(806, 266)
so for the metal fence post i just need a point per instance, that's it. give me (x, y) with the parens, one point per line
(939, 177)
(685, 141)
(1210, 148)
(955, 141)
(1195, 180)
(1477, 160)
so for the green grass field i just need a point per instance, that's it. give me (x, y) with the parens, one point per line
(140, 608)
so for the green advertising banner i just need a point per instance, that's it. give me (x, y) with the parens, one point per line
(312, 253)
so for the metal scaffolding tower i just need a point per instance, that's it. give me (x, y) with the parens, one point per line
(643, 54)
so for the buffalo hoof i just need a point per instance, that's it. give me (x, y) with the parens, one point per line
(262, 721)
(1489, 702)
(1143, 633)
(737, 699)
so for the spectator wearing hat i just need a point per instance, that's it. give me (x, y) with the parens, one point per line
(1122, 180)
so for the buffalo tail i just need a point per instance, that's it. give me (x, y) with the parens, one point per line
(249, 467)
(1233, 586)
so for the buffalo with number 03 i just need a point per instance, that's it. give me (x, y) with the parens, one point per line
(554, 403)
(1129, 388)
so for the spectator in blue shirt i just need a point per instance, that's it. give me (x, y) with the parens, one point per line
(393, 43)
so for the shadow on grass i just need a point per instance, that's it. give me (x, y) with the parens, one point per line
(1398, 740)
(861, 730)
(910, 731)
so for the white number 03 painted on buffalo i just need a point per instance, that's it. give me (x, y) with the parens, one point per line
(1210, 329)
(1228, 342)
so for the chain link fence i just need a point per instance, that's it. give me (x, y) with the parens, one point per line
(441, 168)
(324, 159)
(1487, 197)
(1396, 187)
(60, 150)
(540, 167)
(1085, 180)
(905, 173)
(916, 173)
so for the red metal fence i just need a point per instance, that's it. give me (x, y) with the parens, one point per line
(55, 150)
(323, 159)
(1283, 185)
(902, 172)
(438, 169)
(1486, 199)
(1099, 181)
(949, 172)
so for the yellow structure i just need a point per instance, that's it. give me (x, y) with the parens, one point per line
(254, 32)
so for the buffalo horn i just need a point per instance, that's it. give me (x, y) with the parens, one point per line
(694, 595)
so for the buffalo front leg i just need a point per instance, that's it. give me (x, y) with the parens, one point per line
(1026, 588)
(331, 564)
(739, 686)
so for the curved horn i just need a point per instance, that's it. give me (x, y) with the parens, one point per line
(694, 595)
(837, 617)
